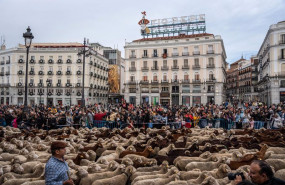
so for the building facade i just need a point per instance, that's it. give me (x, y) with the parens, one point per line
(55, 75)
(271, 56)
(178, 70)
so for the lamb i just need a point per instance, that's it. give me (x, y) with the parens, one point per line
(277, 164)
(158, 181)
(96, 176)
(118, 179)
(181, 164)
(280, 174)
(172, 171)
(205, 166)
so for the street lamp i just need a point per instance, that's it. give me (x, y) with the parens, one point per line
(28, 41)
(70, 92)
(48, 81)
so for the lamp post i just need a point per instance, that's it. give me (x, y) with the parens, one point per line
(28, 41)
(48, 81)
(83, 51)
(70, 92)
(40, 97)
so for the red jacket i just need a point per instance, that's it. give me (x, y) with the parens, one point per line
(99, 116)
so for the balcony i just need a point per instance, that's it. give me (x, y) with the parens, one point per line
(132, 56)
(281, 57)
(31, 84)
(154, 91)
(58, 73)
(154, 82)
(32, 73)
(185, 53)
(186, 81)
(174, 67)
(144, 68)
(20, 93)
(132, 69)
(196, 81)
(41, 61)
(68, 61)
(210, 65)
(174, 81)
(185, 67)
(196, 52)
(78, 72)
(164, 68)
(7, 73)
(2, 73)
(58, 84)
(175, 54)
(78, 85)
(78, 61)
(144, 56)
(164, 55)
(68, 72)
(211, 80)
(210, 52)
(68, 85)
(40, 85)
(20, 72)
(164, 81)
(20, 61)
(19, 84)
(41, 73)
(154, 55)
(50, 61)
(196, 67)
(32, 61)
(2, 62)
(145, 82)
(91, 73)
(50, 73)
(154, 68)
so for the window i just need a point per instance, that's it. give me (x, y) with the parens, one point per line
(283, 39)
(175, 51)
(51, 57)
(164, 77)
(196, 88)
(185, 88)
(197, 77)
(42, 57)
(145, 77)
(68, 68)
(186, 77)
(210, 88)
(282, 53)
(33, 57)
(78, 80)
(132, 78)
(42, 68)
(196, 61)
(185, 62)
(164, 51)
(21, 80)
(155, 64)
(175, 78)
(154, 77)
(164, 89)
(21, 57)
(175, 89)
(164, 63)
(68, 81)
(211, 75)
(175, 63)
(59, 57)
(32, 80)
(50, 68)
(59, 68)
(185, 49)
(21, 68)
(144, 53)
(155, 52)
(32, 69)
(133, 64)
(211, 61)
(196, 48)
(210, 47)
(133, 53)
(41, 81)
(59, 81)
(145, 64)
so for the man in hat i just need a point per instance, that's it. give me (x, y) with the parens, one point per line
(56, 170)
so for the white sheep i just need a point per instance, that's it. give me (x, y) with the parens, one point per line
(205, 166)
(280, 174)
(277, 164)
(158, 181)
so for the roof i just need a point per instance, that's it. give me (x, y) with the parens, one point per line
(182, 36)
(55, 45)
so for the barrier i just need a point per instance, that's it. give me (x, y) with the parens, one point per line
(107, 124)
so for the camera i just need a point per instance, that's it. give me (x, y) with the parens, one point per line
(232, 176)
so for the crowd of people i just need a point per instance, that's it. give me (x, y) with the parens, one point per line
(246, 115)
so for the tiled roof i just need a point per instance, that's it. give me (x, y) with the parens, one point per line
(182, 36)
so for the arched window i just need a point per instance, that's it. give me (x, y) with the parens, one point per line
(145, 77)
(175, 77)
(186, 76)
(164, 77)
(197, 76)
(154, 77)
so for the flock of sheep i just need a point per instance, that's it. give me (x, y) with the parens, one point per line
(140, 157)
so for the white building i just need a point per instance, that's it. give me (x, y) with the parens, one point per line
(58, 63)
(271, 79)
(184, 70)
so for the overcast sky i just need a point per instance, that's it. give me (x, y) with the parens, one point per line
(241, 23)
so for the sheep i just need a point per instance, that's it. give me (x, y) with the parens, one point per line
(277, 150)
(93, 168)
(96, 176)
(277, 164)
(112, 156)
(172, 171)
(204, 155)
(158, 181)
(188, 175)
(144, 159)
(204, 166)
(7, 156)
(29, 166)
(181, 164)
(199, 180)
(210, 181)
(152, 168)
(165, 150)
(118, 179)
(37, 182)
(280, 174)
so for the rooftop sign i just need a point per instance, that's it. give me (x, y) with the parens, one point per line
(173, 26)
